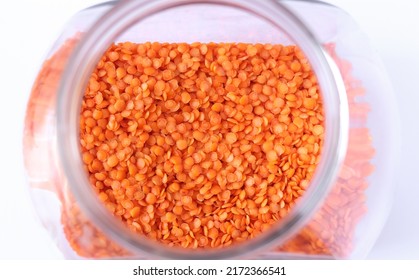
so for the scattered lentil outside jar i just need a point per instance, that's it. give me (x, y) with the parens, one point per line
(212, 129)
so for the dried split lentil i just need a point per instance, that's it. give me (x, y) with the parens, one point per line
(82, 235)
(201, 145)
(332, 229)
(330, 232)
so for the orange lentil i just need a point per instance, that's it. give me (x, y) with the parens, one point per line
(186, 97)
(174, 187)
(186, 200)
(318, 130)
(218, 150)
(112, 161)
(330, 232)
(151, 198)
(181, 144)
(231, 137)
(332, 229)
(309, 103)
(271, 155)
(198, 135)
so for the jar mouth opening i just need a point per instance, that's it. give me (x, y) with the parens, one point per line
(85, 58)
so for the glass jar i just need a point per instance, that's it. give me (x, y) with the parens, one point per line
(346, 202)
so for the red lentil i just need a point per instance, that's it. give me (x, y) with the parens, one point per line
(212, 135)
(331, 230)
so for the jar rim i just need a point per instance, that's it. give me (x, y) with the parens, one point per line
(85, 57)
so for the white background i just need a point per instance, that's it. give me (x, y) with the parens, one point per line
(27, 30)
